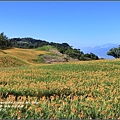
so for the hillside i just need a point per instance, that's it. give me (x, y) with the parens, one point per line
(8, 59)
(30, 43)
(21, 57)
(63, 48)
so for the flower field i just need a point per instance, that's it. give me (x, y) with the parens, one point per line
(76, 90)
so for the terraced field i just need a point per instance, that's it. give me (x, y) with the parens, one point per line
(73, 90)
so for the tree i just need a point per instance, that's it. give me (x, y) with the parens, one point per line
(93, 56)
(4, 43)
(115, 52)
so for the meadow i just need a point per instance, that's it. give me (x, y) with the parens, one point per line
(72, 90)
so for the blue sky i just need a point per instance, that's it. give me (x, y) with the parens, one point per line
(77, 23)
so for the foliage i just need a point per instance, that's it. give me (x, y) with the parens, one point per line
(27, 42)
(79, 90)
(115, 52)
(74, 53)
(4, 42)
(40, 59)
(90, 56)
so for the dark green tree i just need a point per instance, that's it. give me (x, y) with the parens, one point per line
(93, 56)
(4, 42)
(115, 52)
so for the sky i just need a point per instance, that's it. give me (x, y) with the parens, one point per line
(79, 24)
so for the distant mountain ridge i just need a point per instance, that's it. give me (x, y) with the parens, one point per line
(100, 50)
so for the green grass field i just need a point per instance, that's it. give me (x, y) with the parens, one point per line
(73, 90)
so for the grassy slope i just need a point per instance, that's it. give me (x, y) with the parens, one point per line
(19, 57)
(53, 56)
(73, 90)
